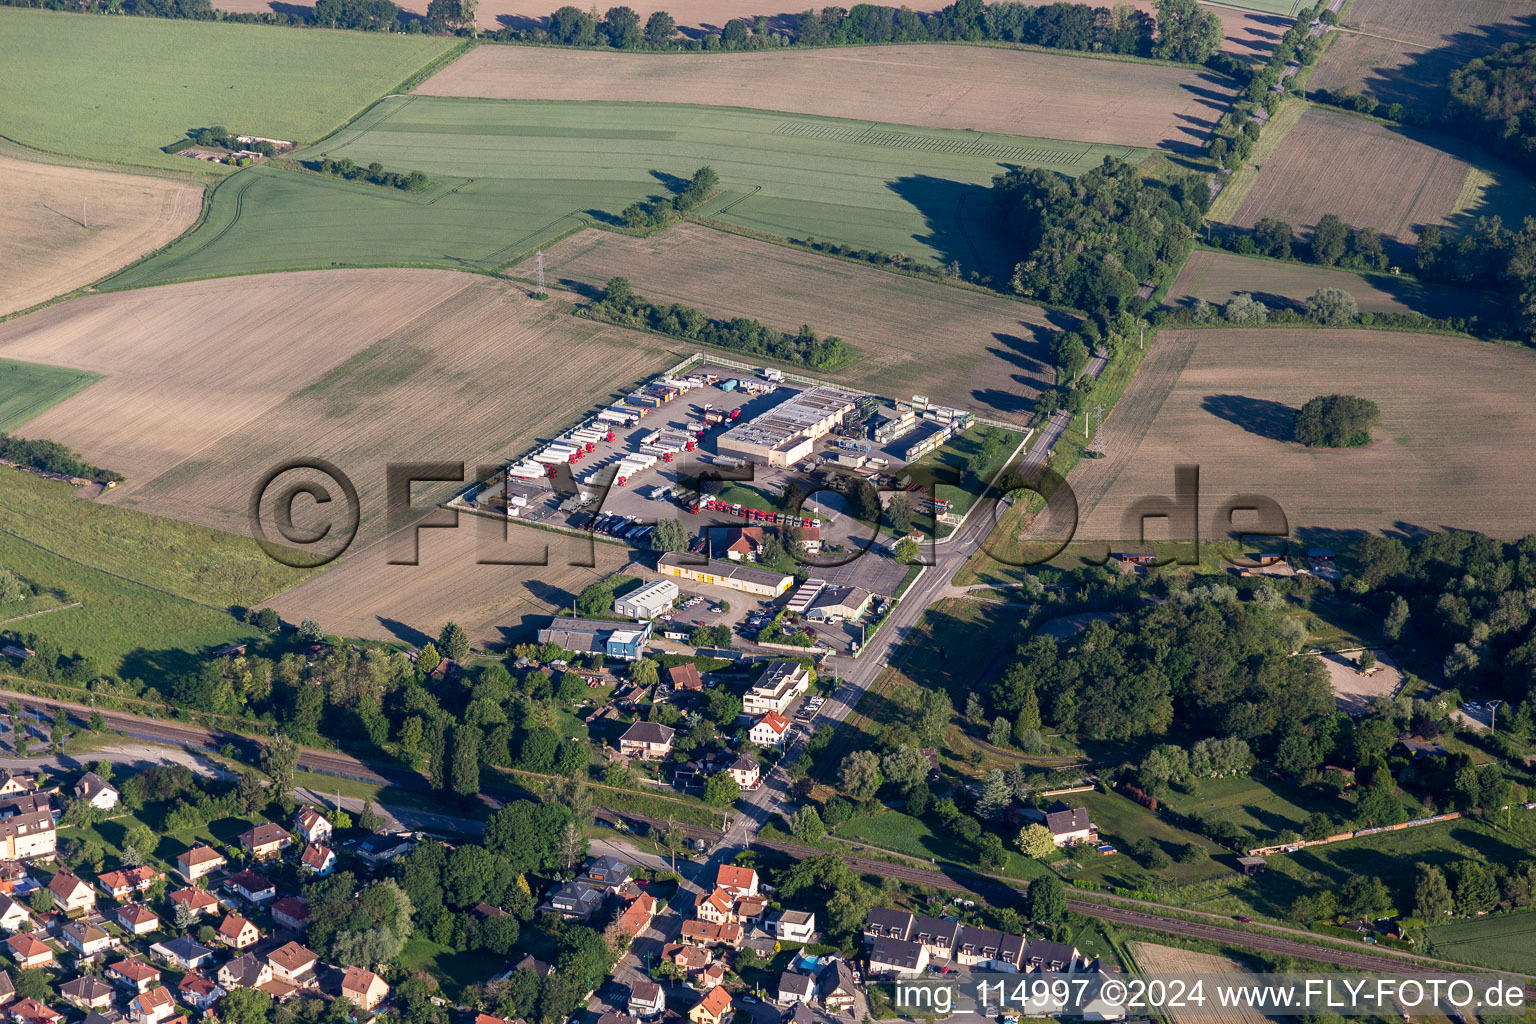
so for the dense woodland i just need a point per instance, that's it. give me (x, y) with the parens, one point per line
(1093, 241)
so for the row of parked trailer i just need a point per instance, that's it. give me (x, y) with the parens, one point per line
(752, 515)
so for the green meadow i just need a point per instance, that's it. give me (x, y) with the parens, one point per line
(27, 389)
(115, 90)
(508, 177)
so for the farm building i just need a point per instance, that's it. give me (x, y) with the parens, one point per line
(785, 434)
(608, 638)
(647, 602)
(748, 580)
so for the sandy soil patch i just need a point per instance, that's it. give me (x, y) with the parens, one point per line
(1432, 464)
(1044, 95)
(956, 346)
(63, 227)
(1354, 691)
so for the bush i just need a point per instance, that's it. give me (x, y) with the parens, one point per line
(1336, 421)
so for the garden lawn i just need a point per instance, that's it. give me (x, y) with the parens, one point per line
(115, 90)
(1265, 807)
(1122, 822)
(902, 833)
(455, 970)
(509, 177)
(27, 389)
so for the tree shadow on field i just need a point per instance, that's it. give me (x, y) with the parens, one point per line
(1419, 81)
(1261, 416)
(519, 21)
(955, 216)
(672, 182)
(404, 632)
(163, 666)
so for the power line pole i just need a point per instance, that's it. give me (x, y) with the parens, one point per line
(539, 263)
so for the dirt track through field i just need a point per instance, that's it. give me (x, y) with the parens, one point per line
(63, 227)
(1044, 95)
(1449, 451)
(957, 346)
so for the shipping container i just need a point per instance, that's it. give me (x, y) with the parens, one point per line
(728, 385)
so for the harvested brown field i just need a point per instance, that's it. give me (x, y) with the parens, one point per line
(959, 347)
(1448, 451)
(1044, 95)
(1217, 276)
(363, 595)
(1154, 959)
(64, 227)
(210, 384)
(1401, 51)
(1374, 175)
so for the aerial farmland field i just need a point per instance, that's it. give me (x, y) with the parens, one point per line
(970, 349)
(969, 88)
(1217, 276)
(210, 384)
(105, 88)
(1401, 51)
(1432, 462)
(1375, 175)
(63, 227)
(508, 177)
(26, 389)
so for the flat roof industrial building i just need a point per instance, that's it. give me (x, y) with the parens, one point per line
(734, 575)
(786, 433)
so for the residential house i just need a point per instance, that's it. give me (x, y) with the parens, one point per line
(313, 825)
(795, 987)
(7, 988)
(702, 933)
(646, 999)
(71, 894)
(183, 952)
(251, 886)
(769, 730)
(13, 914)
(30, 1011)
(134, 974)
(246, 971)
(938, 935)
(529, 962)
(709, 977)
(292, 963)
(714, 907)
(237, 932)
(573, 901)
(96, 791)
(736, 880)
(897, 957)
(109, 1016)
(990, 950)
(318, 859)
(196, 900)
(28, 952)
(746, 771)
(685, 678)
(124, 883)
(791, 925)
(14, 784)
(798, 1013)
(776, 689)
(714, 1008)
(834, 985)
(740, 543)
(136, 919)
(749, 910)
(366, 989)
(1052, 957)
(87, 992)
(649, 741)
(13, 875)
(198, 992)
(382, 849)
(152, 1006)
(607, 873)
(27, 828)
(689, 958)
(291, 912)
(198, 862)
(265, 841)
(637, 916)
(1070, 825)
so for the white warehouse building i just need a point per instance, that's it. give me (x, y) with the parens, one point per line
(647, 602)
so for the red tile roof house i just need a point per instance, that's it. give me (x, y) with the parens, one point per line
(198, 992)
(198, 862)
(293, 963)
(195, 900)
(736, 880)
(256, 888)
(152, 1006)
(30, 1011)
(237, 932)
(71, 894)
(312, 825)
(134, 973)
(265, 841)
(137, 919)
(29, 952)
(290, 912)
(318, 860)
(366, 989)
(124, 883)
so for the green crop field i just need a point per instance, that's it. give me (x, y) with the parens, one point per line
(117, 89)
(26, 389)
(1506, 942)
(509, 176)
